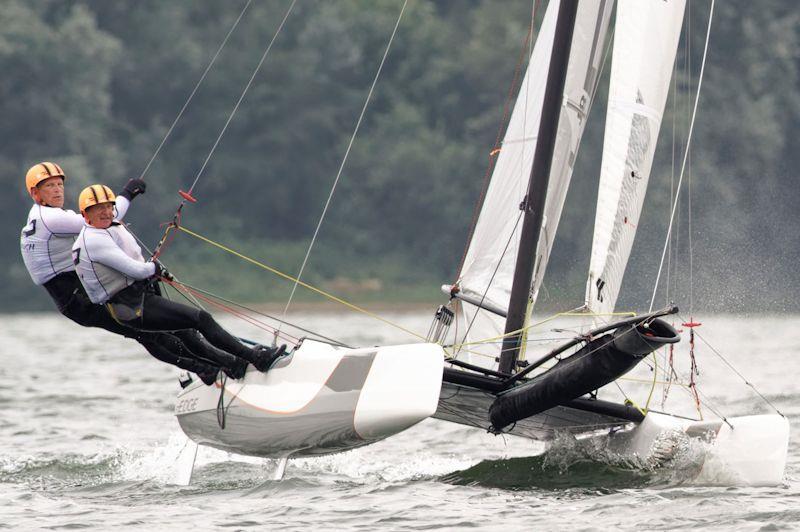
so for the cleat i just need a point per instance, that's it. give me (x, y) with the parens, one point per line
(185, 379)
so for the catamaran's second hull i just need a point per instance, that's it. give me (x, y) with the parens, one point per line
(744, 450)
(322, 399)
(747, 450)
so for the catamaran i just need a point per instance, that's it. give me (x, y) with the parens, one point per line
(478, 366)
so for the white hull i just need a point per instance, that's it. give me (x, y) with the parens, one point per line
(322, 399)
(750, 451)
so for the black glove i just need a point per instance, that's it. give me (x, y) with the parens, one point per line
(133, 188)
(161, 271)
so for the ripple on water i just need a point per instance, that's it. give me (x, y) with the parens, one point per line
(590, 466)
(92, 446)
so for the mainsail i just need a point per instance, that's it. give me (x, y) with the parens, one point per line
(645, 41)
(488, 268)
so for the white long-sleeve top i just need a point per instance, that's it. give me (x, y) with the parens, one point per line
(108, 260)
(46, 240)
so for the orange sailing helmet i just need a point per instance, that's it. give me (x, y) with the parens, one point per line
(40, 172)
(94, 195)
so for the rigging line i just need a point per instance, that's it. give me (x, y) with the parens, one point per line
(525, 115)
(314, 289)
(265, 315)
(455, 412)
(672, 172)
(191, 299)
(249, 319)
(492, 154)
(244, 92)
(705, 400)
(461, 348)
(494, 339)
(530, 340)
(686, 153)
(689, 180)
(197, 86)
(655, 378)
(491, 280)
(649, 381)
(732, 368)
(344, 160)
(188, 297)
(641, 410)
(683, 101)
(487, 183)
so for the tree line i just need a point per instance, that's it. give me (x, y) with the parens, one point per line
(96, 85)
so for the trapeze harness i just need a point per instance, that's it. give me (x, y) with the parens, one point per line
(114, 273)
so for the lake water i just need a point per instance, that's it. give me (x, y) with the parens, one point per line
(88, 441)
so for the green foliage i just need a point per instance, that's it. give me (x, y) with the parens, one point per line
(95, 86)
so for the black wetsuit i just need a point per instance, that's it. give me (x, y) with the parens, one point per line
(158, 313)
(185, 349)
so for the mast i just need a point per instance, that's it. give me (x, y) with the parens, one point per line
(533, 204)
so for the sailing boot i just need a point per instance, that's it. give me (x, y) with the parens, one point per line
(206, 372)
(209, 375)
(264, 357)
(235, 369)
(233, 366)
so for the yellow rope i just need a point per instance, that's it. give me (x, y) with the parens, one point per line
(511, 333)
(356, 308)
(542, 322)
(373, 315)
(629, 314)
(655, 376)
(523, 347)
(641, 410)
(301, 283)
(524, 330)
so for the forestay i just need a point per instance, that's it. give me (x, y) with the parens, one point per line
(645, 41)
(489, 263)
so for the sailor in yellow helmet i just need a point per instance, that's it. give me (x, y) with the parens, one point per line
(46, 246)
(114, 273)
(47, 237)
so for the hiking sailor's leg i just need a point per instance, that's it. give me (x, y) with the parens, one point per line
(168, 348)
(163, 314)
(233, 366)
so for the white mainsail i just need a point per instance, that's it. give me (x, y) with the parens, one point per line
(645, 42)
(488, 268)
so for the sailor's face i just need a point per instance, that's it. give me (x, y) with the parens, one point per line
(50, 192)
(100, 215)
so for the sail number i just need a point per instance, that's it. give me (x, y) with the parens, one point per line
(186, 405)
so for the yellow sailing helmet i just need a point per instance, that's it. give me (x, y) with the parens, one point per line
(94, 195)
(40, 172)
